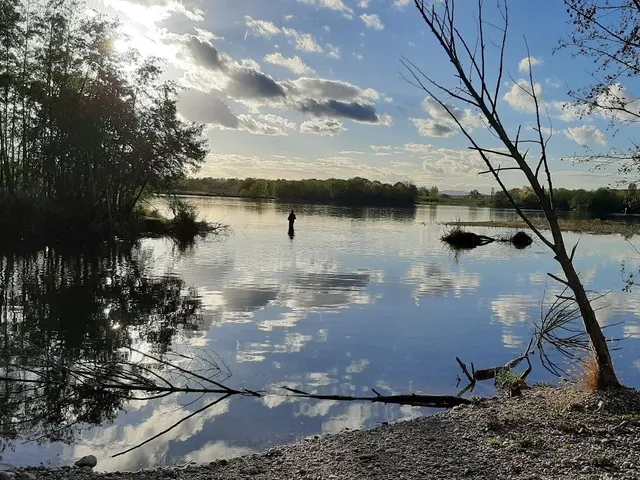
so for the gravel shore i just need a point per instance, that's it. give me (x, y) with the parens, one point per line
(546, 433)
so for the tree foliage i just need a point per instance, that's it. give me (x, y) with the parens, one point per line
(355, 191)
(608, 33)
(85, 131)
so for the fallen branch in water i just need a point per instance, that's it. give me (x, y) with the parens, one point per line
(492, 373)
(413, 399)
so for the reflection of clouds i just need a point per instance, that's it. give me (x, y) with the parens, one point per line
(542, 278)
(314, 408)
(322, 288)
(294, 342)
(215, 451)
(357, 416)
(433, 281)
(513, 309)
(106, 441)
(358, 366)
(509, 340)
(632, 331)
(248, 298)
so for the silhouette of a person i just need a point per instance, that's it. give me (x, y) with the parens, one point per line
(291, 218)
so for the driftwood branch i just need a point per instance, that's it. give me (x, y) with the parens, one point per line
(416, 400)
(492, 373)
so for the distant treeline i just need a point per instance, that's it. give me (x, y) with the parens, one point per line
(360, 191)
(599, 202)
(355, 191)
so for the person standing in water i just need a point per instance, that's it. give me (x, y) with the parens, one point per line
(291, 218)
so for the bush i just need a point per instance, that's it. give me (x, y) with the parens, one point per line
(185, 218)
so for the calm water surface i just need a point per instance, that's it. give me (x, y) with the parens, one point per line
(358, 299)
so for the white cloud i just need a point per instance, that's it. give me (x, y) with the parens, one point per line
(553, 82)
(288, 18)
(586, 134)
(570, 112)
(520, 96)
(401, 3)
(324, 126)
(262, 28)
(278, 120)
(618, 103)
(381, 148)
(388, 99)
(336, 5)
(431, 128)
(363, 3)
(466, 117)
(334, 52)
(526, 62)
(372, 21)
(306, 42)
(295, 63)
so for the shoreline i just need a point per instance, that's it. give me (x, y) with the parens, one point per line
(547, 433)
(593, 226)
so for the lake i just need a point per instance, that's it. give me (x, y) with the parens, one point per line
(358, 299)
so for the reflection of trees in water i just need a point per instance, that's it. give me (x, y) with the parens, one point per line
(60, 312)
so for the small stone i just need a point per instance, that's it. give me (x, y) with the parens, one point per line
(26, 476)
(628, 465)
(7, 476)
(252, 470)
(223, 462)
(87, 469)
(392, 451)
(566, 462)
(586, 469)
(366, 457)
(87, 461)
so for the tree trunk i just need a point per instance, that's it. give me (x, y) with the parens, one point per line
(607, 376)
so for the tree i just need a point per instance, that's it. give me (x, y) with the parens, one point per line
(85, 131)
(478, 89)
(433, 192)
(606, 31)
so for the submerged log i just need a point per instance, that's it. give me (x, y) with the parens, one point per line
(413, 399)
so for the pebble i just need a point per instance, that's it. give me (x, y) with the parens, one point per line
(87, 461)
(7, 476)
(252, 470)
(392, 451)
(367, 456)
(26, 476)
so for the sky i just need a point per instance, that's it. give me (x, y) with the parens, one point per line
(314, 88)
